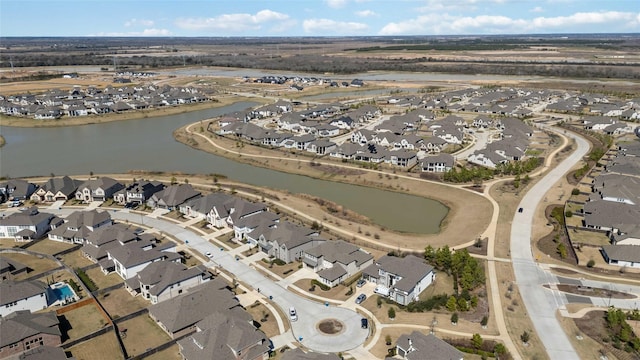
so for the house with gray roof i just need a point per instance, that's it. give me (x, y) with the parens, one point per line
(225, 336)
(622, 255)
(221, 209)
(617, 188)
(284, 240)
(627, 165)
(299, 354)
(99, 189)
(25, 331)
(262, 220)
(162, 280)
(56, 189)
(133, 257)
(172, 197)
(9, 268)
(626, 234)
(79, 225)
(16, 189)
(336, 261)
(137, 192)
(22, 295)
(439, 163)
(178, 316)
(418, 346)
(99, 242)
(400, 279)
(25, 225)
(608, 215)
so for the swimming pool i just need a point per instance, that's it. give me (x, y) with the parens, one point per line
(61, 294)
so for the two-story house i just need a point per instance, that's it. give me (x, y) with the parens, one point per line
(22, 295)
(22, 331)
(99, 189)
(139, 192)
(25, 225)
(336, 261)
(400, 279)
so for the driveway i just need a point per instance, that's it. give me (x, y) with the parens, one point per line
(310, 313)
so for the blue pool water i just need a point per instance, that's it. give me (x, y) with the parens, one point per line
(63, 292)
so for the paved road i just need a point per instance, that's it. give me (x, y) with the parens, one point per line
(309, 313)
(541, 303)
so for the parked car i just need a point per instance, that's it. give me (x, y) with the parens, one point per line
(208, 254)
(361, 298)
(361, 283)
(364, 323)
(520, 210)
(293, 315)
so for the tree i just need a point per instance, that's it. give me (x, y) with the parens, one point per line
(454, 318)
(452, 304)
(591, 263)
(562, 250)
(474, 301)
(392, 313)
(315, 225)
(477, 341)
(387, 339)
(484, 321)
(575, 191)
(499, 349)
(525, 337)
(379, 301)
(462, 304)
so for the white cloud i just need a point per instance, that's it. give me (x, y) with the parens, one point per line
(336, 4)
(139, 22)
(366, 13)
(495, 24)
(324, 26)
(537, 9)
(237, 23)
(145, 32)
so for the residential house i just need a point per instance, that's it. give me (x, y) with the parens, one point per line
(16, 189)
(99, 189)
(626, 234)
(56, 189)
(133, 257)
(179, 316)
(622, 255)
(99, 242)
(162, 280)
(79, 225)
(418, 346)
(284, 240)
(139, 192)
(608, 215)
(226, 336)
(172, 197)
(597, 122)
(403, 279)
(10, 268)
(22, 295)
(246, 225)
(442, 162)
(617, 188)
(336, 261)
(22, 331)
(43, 353)
(25, 225)
(220, 209)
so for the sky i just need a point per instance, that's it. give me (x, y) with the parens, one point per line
(231, 18)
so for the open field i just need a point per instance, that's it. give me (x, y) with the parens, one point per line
(103, 347)
(102, 280)
(119, 302)
(38, 263)
(83, 321)
(142, 333)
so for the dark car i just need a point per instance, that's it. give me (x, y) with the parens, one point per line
(364, 323)
(360, 298)
(520, 210)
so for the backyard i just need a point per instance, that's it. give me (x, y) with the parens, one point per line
(103, 347)
(119, 302)
(141, 333)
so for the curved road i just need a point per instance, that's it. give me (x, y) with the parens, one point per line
(542, 304)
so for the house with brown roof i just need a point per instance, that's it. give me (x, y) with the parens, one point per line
(23, 331)
(418, 346)
(336, 261)
(162, 280)
(22, 295)
(225, 336)
(178, 316)
(400, 279)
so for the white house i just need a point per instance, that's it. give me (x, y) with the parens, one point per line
(23, 295)
(162, 280)
(400, 279)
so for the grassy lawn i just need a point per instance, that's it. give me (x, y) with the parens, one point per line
(83, 321)
(75, 259)
(258, 311)
(280, 270)
(50, 247)
(38, 263)
(189, 259)
(119, 302)
(141, 334)
(103, 347)
(7, 243)
(102, 280)
(336, 293)
(172, 353)
(588, 238)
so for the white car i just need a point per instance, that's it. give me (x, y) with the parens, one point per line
(293, 314)
(208, 254)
